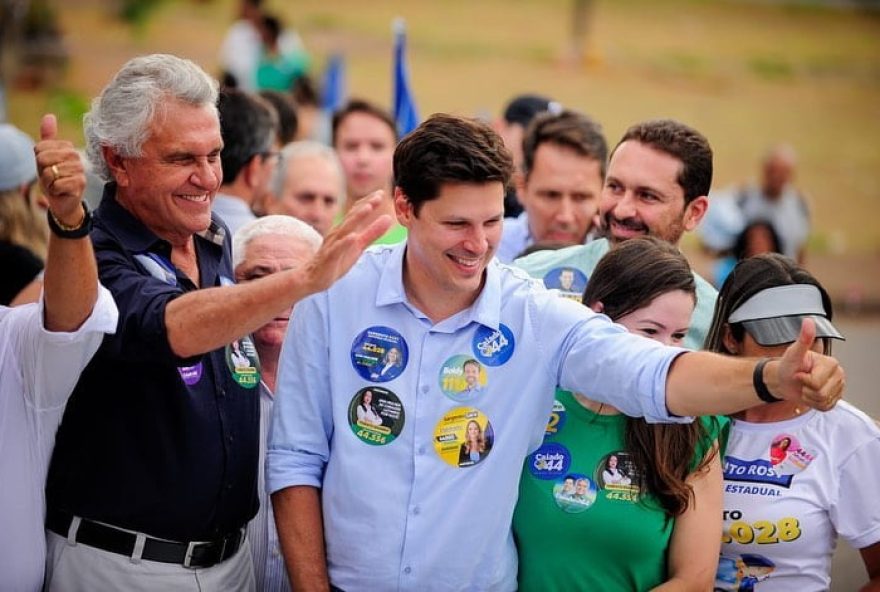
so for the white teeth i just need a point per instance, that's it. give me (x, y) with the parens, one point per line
(466, 262)
(196, 198)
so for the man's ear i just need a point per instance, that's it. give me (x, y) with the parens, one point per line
(597, 307)
(116, 164)
(518, 180)
(403, 208)
(695, 211)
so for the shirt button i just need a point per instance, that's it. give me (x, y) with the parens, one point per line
(424, 388)
(421, 450)
(407, 569)
(230, 439)
(416, 511)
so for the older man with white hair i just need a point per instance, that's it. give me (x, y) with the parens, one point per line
(260, 248)
(308, 184)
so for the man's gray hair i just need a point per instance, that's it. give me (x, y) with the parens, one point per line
(302, 149)
(121, 115)
(279, 224)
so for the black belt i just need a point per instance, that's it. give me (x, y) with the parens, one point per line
(109, 538)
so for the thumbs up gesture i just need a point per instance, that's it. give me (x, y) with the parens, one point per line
(809, 376)
(61, 173)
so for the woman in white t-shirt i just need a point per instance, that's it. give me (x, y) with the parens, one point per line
(794, 477)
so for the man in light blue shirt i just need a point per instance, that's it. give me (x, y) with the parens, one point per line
(657, 184)
(393, 506)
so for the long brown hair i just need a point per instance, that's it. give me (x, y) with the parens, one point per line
(629, 277)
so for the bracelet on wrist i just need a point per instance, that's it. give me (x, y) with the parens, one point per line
(760, 386)
(62, 230)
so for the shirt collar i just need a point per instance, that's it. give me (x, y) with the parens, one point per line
(486, 310)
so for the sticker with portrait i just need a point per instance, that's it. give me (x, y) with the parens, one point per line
(570, 282)
(618, 476)
(788, 456)
(493, 347)
(463, 437)
(575, 493)
(243, 362)
(462, 378)
(376, 415)
(379, 354)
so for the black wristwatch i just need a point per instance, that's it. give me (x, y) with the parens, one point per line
(63, 231)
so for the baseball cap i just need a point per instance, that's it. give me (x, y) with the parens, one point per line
(773, 316)
(17, 164)
(522, 109)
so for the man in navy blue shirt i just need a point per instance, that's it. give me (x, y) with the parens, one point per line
(155, 466)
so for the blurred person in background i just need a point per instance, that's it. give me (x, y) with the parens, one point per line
(308, 184)
(23, 230)
(364, 136)
(561, 179)
(250, 151)
(511, 126)
(278, 68)
(773, 199)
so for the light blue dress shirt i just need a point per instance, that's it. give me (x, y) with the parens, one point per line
(515, 237)
(409, 514)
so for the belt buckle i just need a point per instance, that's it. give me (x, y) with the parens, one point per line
(187, 559)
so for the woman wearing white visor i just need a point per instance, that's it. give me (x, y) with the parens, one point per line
(794, 479)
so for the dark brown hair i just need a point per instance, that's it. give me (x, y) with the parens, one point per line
(629, 277)
(568, 129)
(749, 277)
(682, 142)
(449, 149)
(366, 107)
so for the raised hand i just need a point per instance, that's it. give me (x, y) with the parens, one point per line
(808, 376)
(61, 173)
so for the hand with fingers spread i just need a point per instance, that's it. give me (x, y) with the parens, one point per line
(343, 245)
(61, 174)
(809, 376)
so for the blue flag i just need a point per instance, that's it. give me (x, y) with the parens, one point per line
(405, 112)
(333, 90)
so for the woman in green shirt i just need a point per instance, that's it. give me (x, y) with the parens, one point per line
(646, 511)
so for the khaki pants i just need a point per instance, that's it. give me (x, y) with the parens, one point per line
(80, 568)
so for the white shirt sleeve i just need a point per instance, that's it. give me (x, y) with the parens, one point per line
(855, 512)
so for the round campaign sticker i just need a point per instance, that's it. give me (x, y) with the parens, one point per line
(618, 476)
(379, 354)
(191, 374)
(376, 415)
(463, 437)
(462, 378)
(550, 461)
(492, 347)
(570, 282)
(788, 456)
(241, 357)
(557, 419)
(574, 493)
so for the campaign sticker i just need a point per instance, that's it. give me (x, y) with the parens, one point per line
(788, 456)
(462, 378)
(557, 419)
(618, 476)
(463, 437)
(550, 461)
(570, 282)
(191, 374)
(574, 493)
(376, 415)
(379, 354)
(492, 347)
(243, 362)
